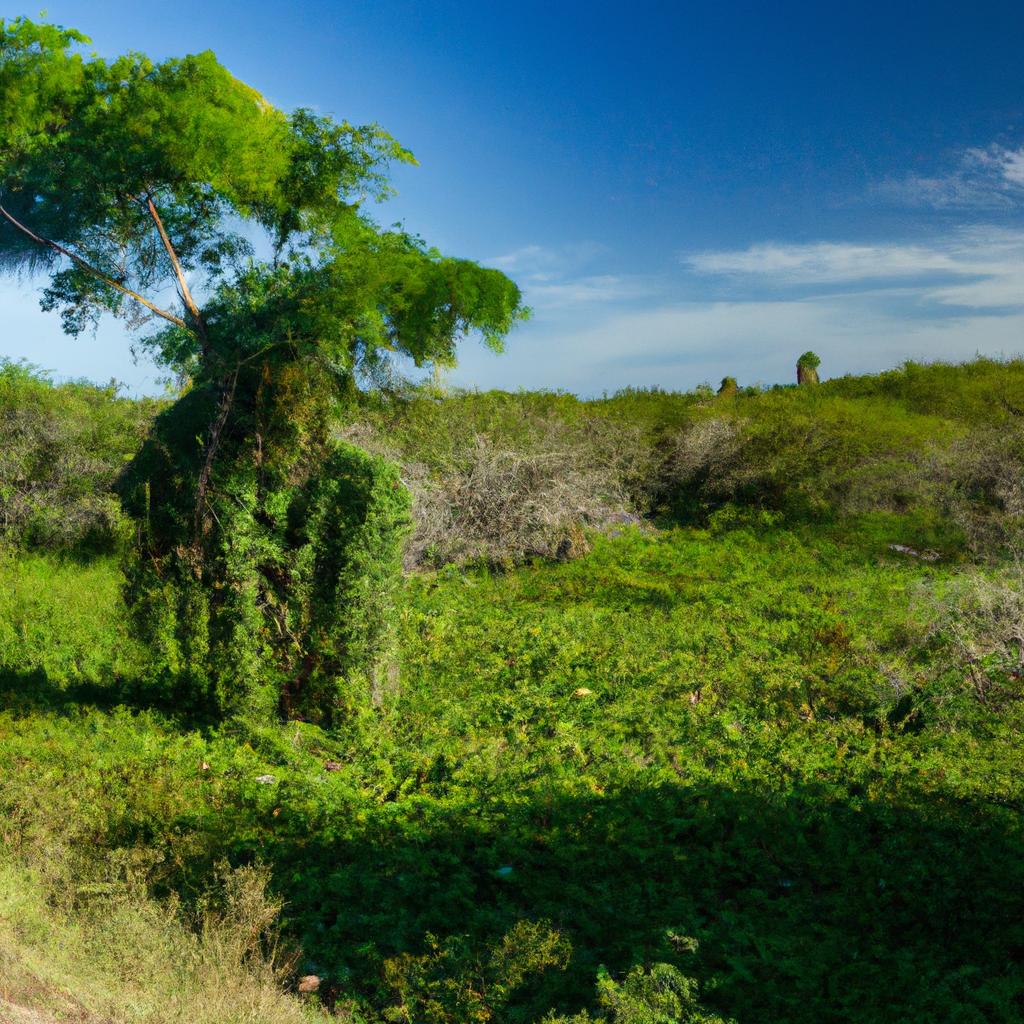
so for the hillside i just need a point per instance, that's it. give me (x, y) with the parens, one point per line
(707, 707)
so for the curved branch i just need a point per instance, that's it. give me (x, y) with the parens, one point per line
(47, 243)
(186, 295)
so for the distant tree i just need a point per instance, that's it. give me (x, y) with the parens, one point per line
(138, 188)
(807, 368)
(728, 387)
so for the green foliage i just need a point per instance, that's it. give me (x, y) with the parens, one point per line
(733, 734)
(63, 622)
(260, 578)
(60, 450)
(286, 602)
(663, 995)
(982, 392)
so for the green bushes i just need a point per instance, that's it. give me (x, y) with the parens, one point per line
(505, 477)
(773, 733)
(279, 597)
(804, 454)
(60, 451)
(688, 732)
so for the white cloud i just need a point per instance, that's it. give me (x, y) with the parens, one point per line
(981, 267)
(554, 280)
(682, 345)
(544, 261)
(989, 177)
(824, 262)
(861, 307)
(586, 291)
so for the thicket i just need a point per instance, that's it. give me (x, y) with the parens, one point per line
(61, 449)
(502, 477)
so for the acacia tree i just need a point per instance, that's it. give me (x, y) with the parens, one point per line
(233, 239)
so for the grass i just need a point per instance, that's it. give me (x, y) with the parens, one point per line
(686, 732)
(756, 747)
(99, 954)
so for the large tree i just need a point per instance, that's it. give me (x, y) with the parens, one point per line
(234, 240)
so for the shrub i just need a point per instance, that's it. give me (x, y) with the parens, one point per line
(661, 995)
(60, 451)
(974, 626)
(284, 601)
(981, 489)
(797, 452)
(501, 488)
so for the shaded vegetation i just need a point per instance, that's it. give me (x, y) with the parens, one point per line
(759, 764)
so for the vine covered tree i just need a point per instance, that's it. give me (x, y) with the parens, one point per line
(233, 239)
(807, 368)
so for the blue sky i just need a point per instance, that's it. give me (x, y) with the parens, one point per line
(683, 190)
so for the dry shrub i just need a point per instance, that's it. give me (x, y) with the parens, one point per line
(122, 958)
(976, 624)
(498, 503)
(983, 490)
(701, 453)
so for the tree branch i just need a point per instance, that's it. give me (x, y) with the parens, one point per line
(186, 295)
(47, 243)
(227, 397)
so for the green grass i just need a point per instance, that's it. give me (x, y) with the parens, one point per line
(686, 731)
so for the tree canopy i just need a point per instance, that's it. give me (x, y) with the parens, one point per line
(172, 195)
(140, 186)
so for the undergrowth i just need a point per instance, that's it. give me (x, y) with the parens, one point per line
(753, 758)
(731, 736)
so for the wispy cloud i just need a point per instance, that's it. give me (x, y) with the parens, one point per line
(679, 346)
(980, 267)
(544, 261)
(823, 262)
(562, 278)
(862, 307)
(982, 178)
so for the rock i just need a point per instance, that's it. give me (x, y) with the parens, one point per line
(925, 556)
(582, 691)
(574, 545)
(332, 766)
(266, 780)
(310, 983)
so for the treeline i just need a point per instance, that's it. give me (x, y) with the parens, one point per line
(502, 477)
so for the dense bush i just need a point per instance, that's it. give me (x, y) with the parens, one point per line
(799, 452)
(500, 478)
(277, 598)
(503, 477)
(61, 447)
